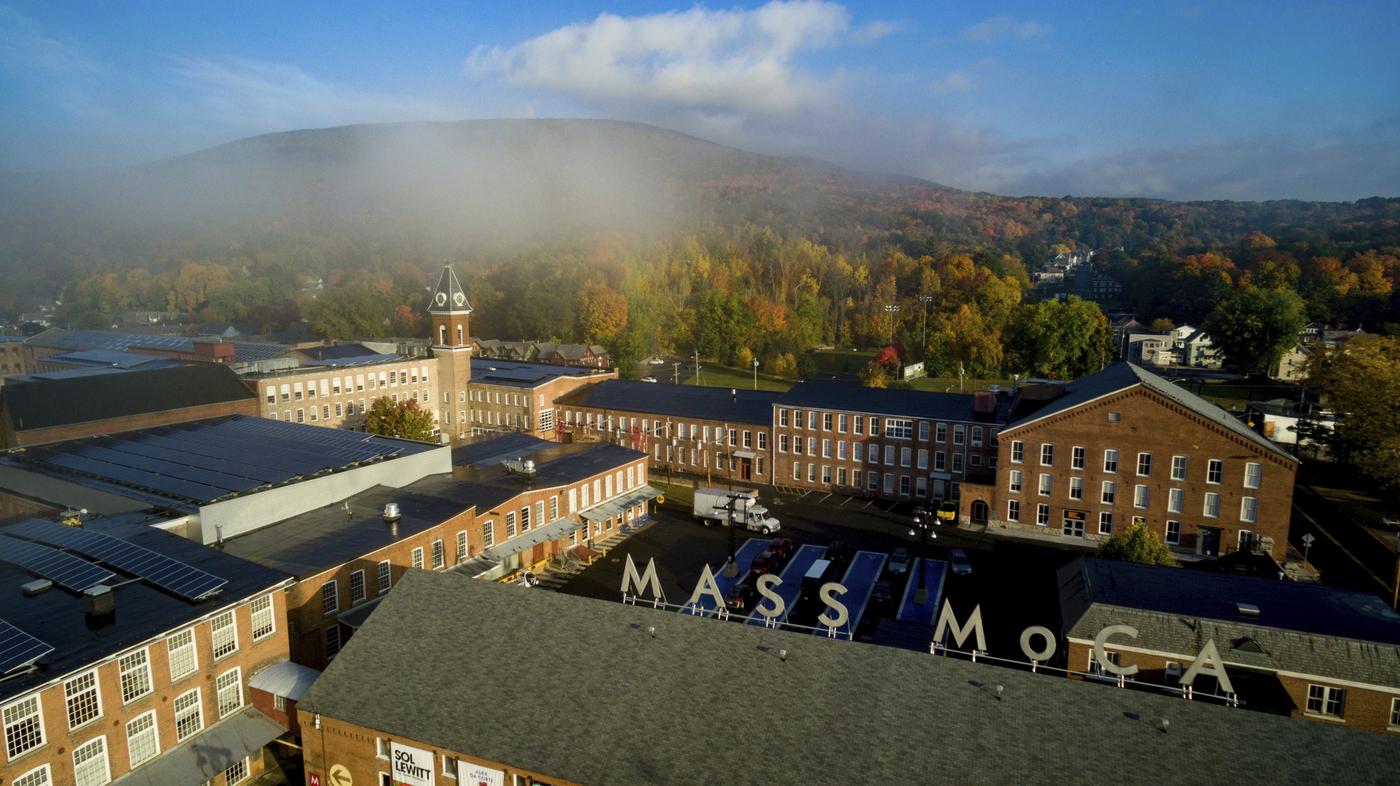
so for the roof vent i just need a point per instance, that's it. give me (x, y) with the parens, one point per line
(98, 601)
(35, 587)
(520, 466)
(391, 513)
(1247, 609)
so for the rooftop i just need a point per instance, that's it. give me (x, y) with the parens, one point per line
(45, 403)
(852, 397)
(142, 611)
(827, 712)
(679, 401)
(492, 371)
(243, 351)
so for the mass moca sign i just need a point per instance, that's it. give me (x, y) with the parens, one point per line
(1038, 643)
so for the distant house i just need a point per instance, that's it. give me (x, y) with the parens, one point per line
(1293, 366)
(1150, 349)
(1197, 350)
(583, 355)
(1122, 326)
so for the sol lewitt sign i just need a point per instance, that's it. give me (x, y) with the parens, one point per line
(469, 774)
(410, 766)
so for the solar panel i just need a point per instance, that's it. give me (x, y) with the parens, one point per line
(169, 574)
(65, 570)
(19, 649)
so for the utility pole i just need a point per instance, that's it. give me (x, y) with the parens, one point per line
(923, 347)
(891, 309)
(697, 367)
(676, 369)
(755, 373)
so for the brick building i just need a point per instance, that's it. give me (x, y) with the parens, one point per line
(12, 357)
(669, 678)
(41, 411)
(338, 391)
(1301, 650)
(696, 430)
(450, 314)
(1122, 445)
(510, 396)
(894, 444)
(154, 688)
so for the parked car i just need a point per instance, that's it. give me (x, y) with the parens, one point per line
(899, 561)
(961, 565)
(840, 554)
(781, 548)
(741, 597)
(947, 512)
(648, 379)
(883, 595)
(763, 563)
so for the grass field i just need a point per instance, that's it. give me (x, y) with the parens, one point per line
(725, 377)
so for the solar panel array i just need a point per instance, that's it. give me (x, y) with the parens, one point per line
(206, 461)
(65, 570)
(169, 574)
(19, 649)
(101, 339)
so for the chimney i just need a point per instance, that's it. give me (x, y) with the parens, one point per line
(99, 602)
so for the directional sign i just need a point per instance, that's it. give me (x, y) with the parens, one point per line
(339, 776)
(1308, 539)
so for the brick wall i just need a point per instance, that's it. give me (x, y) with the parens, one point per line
(323, 398)
(697, 455)
(41, 436)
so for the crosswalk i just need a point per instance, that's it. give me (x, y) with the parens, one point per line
(555, 578)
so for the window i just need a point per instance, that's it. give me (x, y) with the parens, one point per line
(224, 634)
(1249, 508)
(1076, 458)
(142, 744)
(959, 437)
(940, 461)
(332, 642)
(783, 418)
(841, 449)
(904, 457)
(1109, 492)
(977, 436)
(857, 451)
(1212, 505)
(189, 715)
(1110, 460)
(1395, 713)
(1173, 533)
(826, 421)
(1013, 510)
(858, 424)
(384, 579)
(237, 772)
(135, 670)
(1044, 488)
(1042, 515)
(1105, 522)
(899, 428)
(90, 763)
(1076, 488)
(554, 506)
(182, 656)
(1114, 417)
(1178, 468)
(1215, 471)
(330, 598)
(1018, 451)
(1176, 500)
(83, 701)
(39, 776)
(762, 440)
(1252, 472)
(889, 455)
(1140, 496)
(923, 430)
(462, 537)
(229, 691)
(922, 459)
(957, 462)
(782, 443)
(1144, 468)
(1326, 701)
(440, 553)
(24, 726)
(357, 587)
(940, 432)
(826, 448)
(1013, 482)
(264, 621)
(416, 556)
(1047, 455)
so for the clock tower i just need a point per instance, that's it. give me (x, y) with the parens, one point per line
(452, 346)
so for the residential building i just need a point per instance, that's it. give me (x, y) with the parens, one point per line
(1198, 351)
(1293, 366)
(130, 659)
(1124, 444)
(585, 355)
(68, 405)
(1150, 349)
(1297, 649)
(12, 357)
(664, 674)
(687, 429)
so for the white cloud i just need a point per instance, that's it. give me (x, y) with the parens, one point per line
(1002, 28)
(702, 59)
(962, 80)
(24, 45)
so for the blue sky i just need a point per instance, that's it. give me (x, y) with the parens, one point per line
(1183, 100)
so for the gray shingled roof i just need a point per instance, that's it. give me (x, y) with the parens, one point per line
(1121, 376)
(60, 402)
(449, 286)
(578, 689)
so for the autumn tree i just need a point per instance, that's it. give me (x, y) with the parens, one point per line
(874, 375)
(602, 312)
(402, 419)
(1254, 328)
(1361, 382)
(354, 311)
(1137, 543)
(1060, 339)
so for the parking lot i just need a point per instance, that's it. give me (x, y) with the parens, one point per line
(1013, 583)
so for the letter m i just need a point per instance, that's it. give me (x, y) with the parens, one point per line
(947, 620)
(632, 581)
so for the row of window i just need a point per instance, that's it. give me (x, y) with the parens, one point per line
(1073, 523)
(857, 452)
(333, 386)
(890, 483)
(700, 458)
(1108, 494)
(895, 428)
(622, 425)
(1215, 468)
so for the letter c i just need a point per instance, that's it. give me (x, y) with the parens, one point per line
(1102, 657)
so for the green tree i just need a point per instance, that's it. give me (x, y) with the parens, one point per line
(1254, 328)
(1062, 339)
(1136, 543)
(402, 419)
(1162, 325)
(1361, 382)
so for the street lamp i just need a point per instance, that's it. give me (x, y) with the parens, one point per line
(891, 309)
(924, 532)
(925, 299)
(755, 373)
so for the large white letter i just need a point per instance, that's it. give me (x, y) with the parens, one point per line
(829, 592)
(765, 586)
(946, 620)
(631, 580)
(706, 586)
(1043, 632)
(1102, 657)
(1216, 668)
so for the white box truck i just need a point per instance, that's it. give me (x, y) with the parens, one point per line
(739, 506)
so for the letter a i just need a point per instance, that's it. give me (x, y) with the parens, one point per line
(1216, 668)
(706, 586)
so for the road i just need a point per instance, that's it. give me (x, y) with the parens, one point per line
(1347, 553)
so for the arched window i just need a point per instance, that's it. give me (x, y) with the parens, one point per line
(459, 334)
(442, 334)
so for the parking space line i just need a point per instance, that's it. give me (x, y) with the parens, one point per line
(825, 498)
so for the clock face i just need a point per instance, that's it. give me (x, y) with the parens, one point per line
(459, 298)
(442, 298)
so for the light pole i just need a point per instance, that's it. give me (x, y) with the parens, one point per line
(925, 299)
(891, 309)
(924, 533)
(755, 373)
